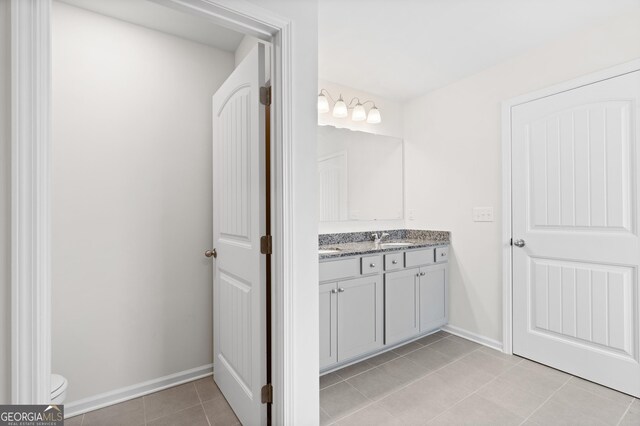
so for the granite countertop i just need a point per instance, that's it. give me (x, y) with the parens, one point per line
(358, 243)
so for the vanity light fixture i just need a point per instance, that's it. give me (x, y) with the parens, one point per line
(341, 108)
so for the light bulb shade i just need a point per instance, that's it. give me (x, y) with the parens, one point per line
(340, 109)
(374, 116)
(323, 104)
(359, 114)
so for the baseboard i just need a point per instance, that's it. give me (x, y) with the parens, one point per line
(474, 337)
(116, 396)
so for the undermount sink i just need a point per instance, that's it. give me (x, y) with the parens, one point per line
(391, 245)
(328, 251)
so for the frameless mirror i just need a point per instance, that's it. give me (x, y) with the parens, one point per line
(361, 176)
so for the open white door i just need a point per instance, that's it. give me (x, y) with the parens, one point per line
(576, 253)
(238, 223)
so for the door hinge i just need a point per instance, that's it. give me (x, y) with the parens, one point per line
(265, 244)
(267, 394)
(265, 95)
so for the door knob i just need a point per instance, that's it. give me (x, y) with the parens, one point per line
(211, 253)
(518, 243)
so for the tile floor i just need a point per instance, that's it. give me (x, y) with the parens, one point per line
(446, 380)
(198, 403)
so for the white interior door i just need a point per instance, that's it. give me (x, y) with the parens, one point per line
(238, 224)
(575, 206)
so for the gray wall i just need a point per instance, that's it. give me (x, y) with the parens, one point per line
(5, 205)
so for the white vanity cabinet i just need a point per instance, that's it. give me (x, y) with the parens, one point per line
(351, 309)
(371, 302)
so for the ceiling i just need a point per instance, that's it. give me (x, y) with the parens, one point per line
(404, 48)
(152, 15)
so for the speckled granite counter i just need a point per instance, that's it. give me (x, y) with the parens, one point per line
(357, 243)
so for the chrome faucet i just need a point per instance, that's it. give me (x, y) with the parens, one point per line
(377, 239)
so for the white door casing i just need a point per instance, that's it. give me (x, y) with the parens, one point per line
(575, 203)
(238, 224)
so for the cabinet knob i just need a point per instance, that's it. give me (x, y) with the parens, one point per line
(443, 254)
(422, 274)
(394, 262)
(211, 253)
(418, 274)
(341, 290)
(334, 291)
(372, 265)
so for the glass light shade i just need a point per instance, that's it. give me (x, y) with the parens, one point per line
(358, 114)
(323, 104)
(374, 116)
(340, 109)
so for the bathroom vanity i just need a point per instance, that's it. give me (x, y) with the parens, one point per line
(375, 296)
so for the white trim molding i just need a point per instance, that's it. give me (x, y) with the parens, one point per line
(30, 201)
(507, 265)
(127, 393)
(474, 337)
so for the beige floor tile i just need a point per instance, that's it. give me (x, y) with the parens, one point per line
(193, 416)
(370, 416)
(603, 391)
(329, 379)
(423, 400)
(170, 400)
(73, 421)
(543, 369)
(465, 375)
(220, 413)
(382, 358)
(476, 410)
(376, 383)
(325, 419)
(432, 338)
(632, 418)
(513, 398)
(553, 413)
(429, 359)
(489, 363)
(354, 369)
(499, 354)
(635, 406)
(409, 347)
(128, 413)
(596, 406)
(454, 347)
(341, 399)
(404, 369)
(207, 389)
(536, 381)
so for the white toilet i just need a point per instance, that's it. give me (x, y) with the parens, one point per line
(58, 389)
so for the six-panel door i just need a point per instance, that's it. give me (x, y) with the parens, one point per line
(360, 312)
(402, 305)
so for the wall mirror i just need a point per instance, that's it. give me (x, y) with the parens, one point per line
(360, 175)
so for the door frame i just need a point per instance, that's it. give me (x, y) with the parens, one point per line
(31, 189)
(507, 253)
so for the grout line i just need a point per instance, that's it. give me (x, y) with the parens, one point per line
(144, 411)
(82, 419)
(403, 386)
(546, 400)
(625, 413)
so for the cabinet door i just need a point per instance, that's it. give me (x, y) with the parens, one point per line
(328, 325)
(360, 311)
(401, 305)
(433, 297)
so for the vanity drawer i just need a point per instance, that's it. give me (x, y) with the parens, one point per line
(393, 261)
(442, 254)
(371, 264)
(339, 269)
(419, 257)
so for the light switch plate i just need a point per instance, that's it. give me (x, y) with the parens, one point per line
(483, 214)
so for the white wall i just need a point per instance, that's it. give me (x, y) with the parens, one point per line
(5, 204)
(453, 157)
(303, 305)
(390, 110)
(132, 202)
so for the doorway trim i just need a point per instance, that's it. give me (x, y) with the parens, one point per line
(507, 258)
(31, 179)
